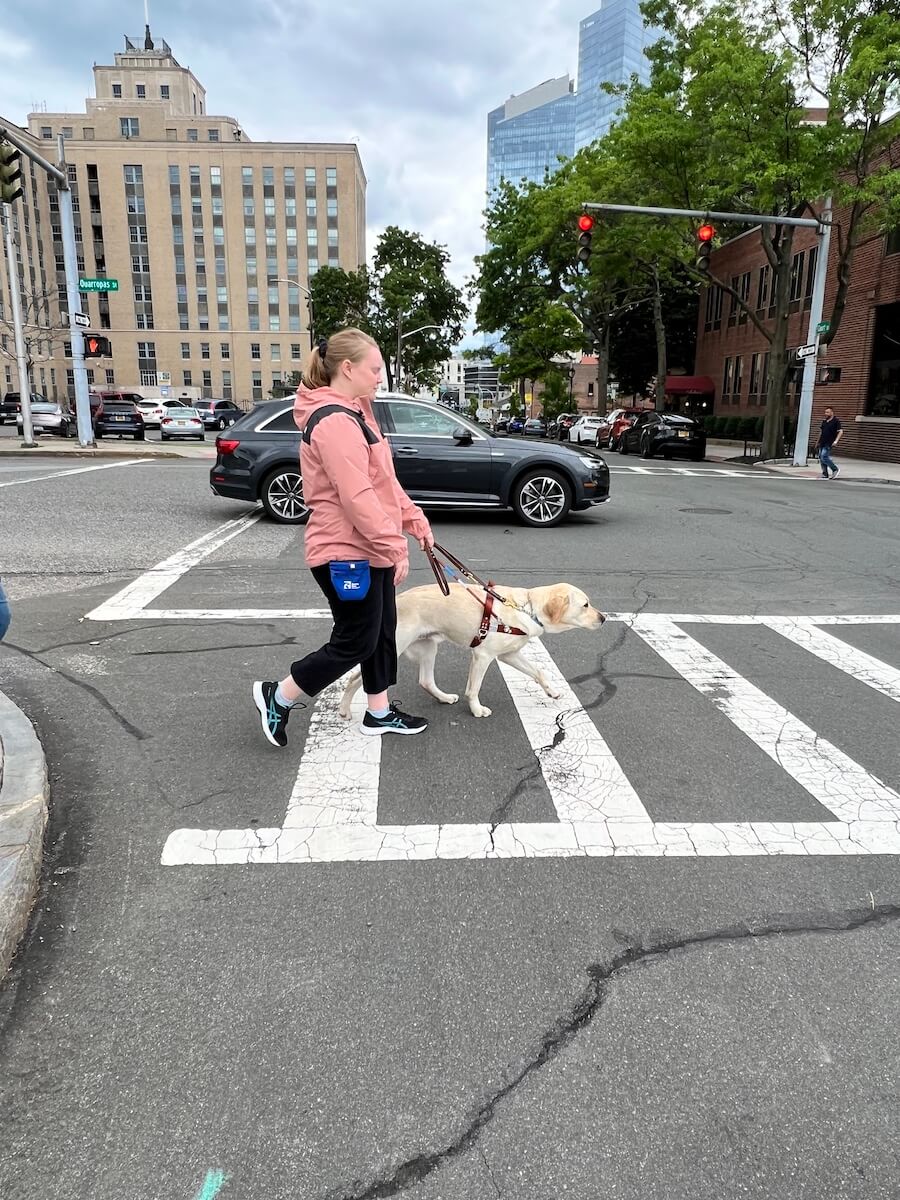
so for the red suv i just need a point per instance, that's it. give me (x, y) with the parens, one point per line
(609, 434)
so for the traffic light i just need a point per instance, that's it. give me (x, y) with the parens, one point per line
(585, 235)
(97, 347)
(10, 173)
(705, 235)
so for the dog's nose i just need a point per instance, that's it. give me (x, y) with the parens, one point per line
(601, 616)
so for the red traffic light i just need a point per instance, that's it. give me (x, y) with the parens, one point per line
(706, 233)
(93, 345)
(585, 223)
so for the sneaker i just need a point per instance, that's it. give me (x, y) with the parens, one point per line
(837, 471)
(273, 716)
(395, 722)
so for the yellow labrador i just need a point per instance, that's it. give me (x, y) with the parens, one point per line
(425, 618)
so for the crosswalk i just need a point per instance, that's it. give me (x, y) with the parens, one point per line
(332, 814)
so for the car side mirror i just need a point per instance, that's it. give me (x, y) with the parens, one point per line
(462, 436)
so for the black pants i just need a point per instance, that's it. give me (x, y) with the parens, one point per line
(364, 633)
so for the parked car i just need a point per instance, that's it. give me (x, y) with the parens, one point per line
(664, 433)
(564, 424)
(153, 411)
(49, 416)
(182, 422)
(535, 427)
(443, 460)
(609, 432)
(117, 415)
(502, 425)
(584, 430)
(218, 414)
(516, 425)
(11, 405)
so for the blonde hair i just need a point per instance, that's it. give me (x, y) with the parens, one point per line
(329, 353)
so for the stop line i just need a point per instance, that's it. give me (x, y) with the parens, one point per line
(332, 813)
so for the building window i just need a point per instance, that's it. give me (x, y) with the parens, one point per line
(47, 132)
(133, 174)
(797, 276)
(212, 135)
(146, 350)
(172, 135)
(762, 293)
(141, 91)
(256, 385)
(331, 176)
(254, 350)
(215, 176)
(110, 377)
(137, 235)
(186, 379)
(117, 91)
(892, 242)
(736, 382)
(88, 133)
(275, 350)
(164, 91)
(142, 294)
(129, 127)
(755, 378)
(226, 385)
(67, 131)
(310, 177)
(225, 350)
(726, 381)
(204, 350)
(290, 177)
(192, 135)
(207, 384)
(185, 349)
(811, 260)
(296, 351)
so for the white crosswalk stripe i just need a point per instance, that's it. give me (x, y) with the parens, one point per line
(332, 813)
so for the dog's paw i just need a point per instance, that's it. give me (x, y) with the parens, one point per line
(480, 710)
(344, 712)
(448, 698)
(552, 693)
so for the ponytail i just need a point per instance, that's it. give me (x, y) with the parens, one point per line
(325, 358)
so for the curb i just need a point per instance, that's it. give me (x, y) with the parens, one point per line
(81, 452)
(24, 794)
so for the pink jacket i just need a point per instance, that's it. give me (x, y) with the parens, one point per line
(358, 508)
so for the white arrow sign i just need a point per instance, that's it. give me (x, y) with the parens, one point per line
(808, 351)
(82, 320)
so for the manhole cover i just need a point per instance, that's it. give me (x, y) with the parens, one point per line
(712, 512)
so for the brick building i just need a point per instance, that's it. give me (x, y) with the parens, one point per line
(733, 352)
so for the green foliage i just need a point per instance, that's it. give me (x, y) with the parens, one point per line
(286, 387)
(555, 398)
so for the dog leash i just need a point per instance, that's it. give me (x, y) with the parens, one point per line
(463, 573)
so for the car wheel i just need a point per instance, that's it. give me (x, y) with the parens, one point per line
(623, 444)
(667, 455)
(282, 496)
(139, 437)
(646, 451)
(163, 437)
(698, 455)
(542, 498)
(98, 434)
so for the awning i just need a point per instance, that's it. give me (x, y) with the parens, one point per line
(689, 385)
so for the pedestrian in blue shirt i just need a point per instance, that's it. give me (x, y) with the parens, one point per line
(4, 612)
(830, 434)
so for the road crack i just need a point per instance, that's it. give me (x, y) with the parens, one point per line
(638, 951)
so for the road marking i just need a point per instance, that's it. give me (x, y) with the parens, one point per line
(332, 811)
(838, 783)
(868, 670)
(212, 1185)
(131, 601)
(128, 462)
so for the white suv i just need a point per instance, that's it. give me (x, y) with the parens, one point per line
(153, 411)
(585, 430)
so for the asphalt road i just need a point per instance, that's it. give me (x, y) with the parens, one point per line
(628, 1025)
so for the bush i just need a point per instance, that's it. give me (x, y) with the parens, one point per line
(733, 427)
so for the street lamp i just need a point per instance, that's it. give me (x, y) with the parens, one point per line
(401, 338)
(309, 304)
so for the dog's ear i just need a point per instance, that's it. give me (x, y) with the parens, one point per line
(557, 606)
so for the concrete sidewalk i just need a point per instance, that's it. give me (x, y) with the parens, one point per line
(859, 470)
(24, 792)
(64, 448)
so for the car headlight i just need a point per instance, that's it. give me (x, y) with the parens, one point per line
(591, 461)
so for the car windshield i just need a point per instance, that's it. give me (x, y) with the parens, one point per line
(180, 413)
(43, 406)
(204, 404)
(148, 404)
(118, 406)
(674, 419)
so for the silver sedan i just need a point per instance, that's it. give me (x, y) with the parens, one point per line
(182, 422)
(49, 417)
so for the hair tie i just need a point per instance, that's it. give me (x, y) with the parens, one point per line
(323, 348)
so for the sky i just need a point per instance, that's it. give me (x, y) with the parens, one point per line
(411, 83)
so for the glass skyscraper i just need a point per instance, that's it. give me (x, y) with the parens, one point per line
(611, 44)
(527, 134)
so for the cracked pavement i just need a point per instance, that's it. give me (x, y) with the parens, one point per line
(634, 1026)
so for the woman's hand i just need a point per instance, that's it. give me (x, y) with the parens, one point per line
(426, 541)
(401, 570)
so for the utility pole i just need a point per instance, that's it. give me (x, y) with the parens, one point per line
(16, 303)
(811, 362)
(399, 351)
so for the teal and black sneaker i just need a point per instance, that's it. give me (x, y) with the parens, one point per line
(274, 716)
(395, 722)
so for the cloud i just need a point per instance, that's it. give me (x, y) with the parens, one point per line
(411, 83)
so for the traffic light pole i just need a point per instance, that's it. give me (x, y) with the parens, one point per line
(67, 222)
(70, 257)
(822, 226)
(24, 382)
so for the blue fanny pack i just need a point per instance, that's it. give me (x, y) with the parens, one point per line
(351, 579)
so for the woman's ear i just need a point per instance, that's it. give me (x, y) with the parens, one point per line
(557, 606)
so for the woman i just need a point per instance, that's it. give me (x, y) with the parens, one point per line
(355, 544)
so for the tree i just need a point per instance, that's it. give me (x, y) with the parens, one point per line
(723, 125)
(43, 333)
(407, 288)
(286, 387)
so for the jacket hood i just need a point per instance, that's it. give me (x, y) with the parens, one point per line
(309, 399)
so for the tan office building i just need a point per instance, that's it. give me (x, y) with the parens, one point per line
(203, 229)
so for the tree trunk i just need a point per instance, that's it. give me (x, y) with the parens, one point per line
(776, 382)
(661, 357)
(603, 370)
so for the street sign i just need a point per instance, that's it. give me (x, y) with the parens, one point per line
(808, 351)
(82, 320)
(163, 377)
(823, 327)
(164, 391)
(98, 285)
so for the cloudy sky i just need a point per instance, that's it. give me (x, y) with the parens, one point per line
(412, 82)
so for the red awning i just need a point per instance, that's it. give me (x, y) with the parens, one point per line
(689, 385)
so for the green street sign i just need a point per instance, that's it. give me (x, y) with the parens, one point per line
(823, 327)
(98, 285)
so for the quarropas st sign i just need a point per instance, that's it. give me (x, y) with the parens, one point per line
(98, 285)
